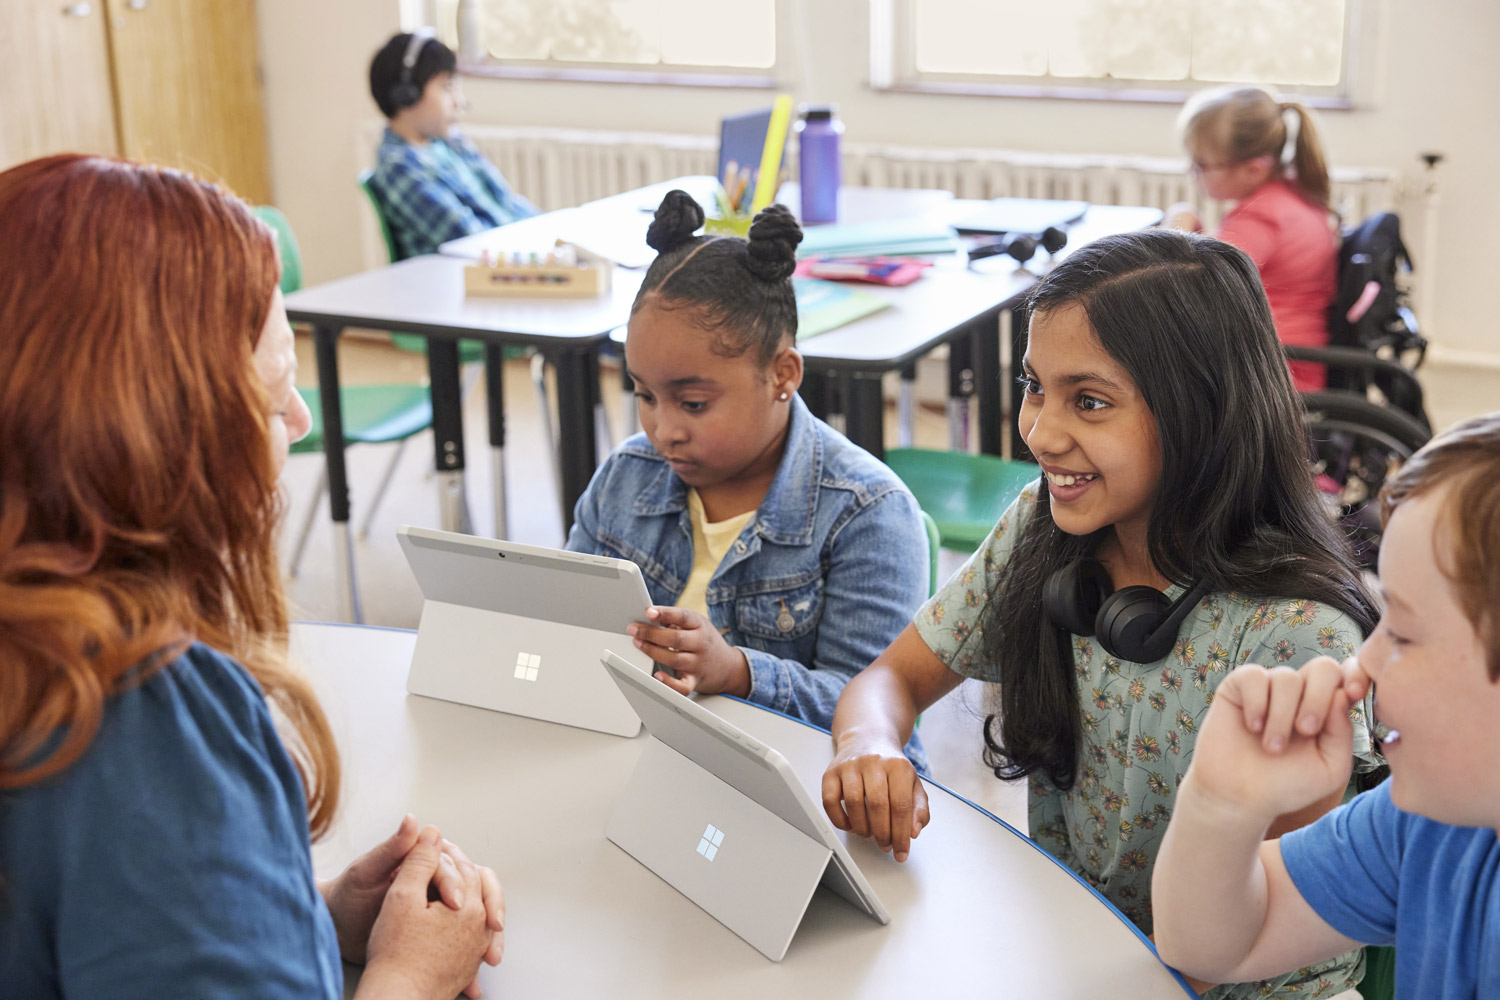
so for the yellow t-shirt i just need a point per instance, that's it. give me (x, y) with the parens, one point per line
(711, 542)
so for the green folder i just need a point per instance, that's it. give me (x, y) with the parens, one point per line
(880, 237)
(825, 305)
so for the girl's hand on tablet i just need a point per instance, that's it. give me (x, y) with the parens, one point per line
(874, 791)
(688, 644)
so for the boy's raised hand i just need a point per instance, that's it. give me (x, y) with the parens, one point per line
(689, 644)
(1278, 740)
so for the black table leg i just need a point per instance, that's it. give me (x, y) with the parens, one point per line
(864, 413)
(445, 385)
(575, 416)
(987, 377)
(494, 388)
(906, 405)
(815, 392)
(630, 420)
(1019, 318)
(960, 389)
(326, 350)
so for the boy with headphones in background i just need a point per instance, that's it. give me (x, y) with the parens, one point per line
(431, 183)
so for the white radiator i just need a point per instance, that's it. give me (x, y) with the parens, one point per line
(556, 168)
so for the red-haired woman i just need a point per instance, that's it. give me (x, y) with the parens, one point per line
(154, 827)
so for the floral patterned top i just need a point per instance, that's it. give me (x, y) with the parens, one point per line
(1139, 721)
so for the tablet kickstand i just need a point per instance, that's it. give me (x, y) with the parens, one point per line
(747, 867)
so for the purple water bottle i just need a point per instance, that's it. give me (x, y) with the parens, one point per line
(818, 134)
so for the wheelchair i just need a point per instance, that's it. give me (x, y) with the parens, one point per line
(1357, 443)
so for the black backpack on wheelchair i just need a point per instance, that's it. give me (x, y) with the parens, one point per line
(1370, 310)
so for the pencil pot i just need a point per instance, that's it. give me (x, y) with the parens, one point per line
(737, 224)
(818, 135)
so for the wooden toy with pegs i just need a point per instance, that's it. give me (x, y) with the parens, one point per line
(565, 271)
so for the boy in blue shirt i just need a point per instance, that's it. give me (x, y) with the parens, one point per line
(1416, 861)
(431, 183)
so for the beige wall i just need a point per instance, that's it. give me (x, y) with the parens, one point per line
(1435, 80)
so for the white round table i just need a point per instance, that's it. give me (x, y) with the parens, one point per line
(977, 910)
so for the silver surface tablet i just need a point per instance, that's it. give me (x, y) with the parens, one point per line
(767, 843)
(518, 628)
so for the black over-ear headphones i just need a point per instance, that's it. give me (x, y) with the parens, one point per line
(404, 93)
(1137, 624)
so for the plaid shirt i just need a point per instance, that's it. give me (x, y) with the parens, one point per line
(426, 202)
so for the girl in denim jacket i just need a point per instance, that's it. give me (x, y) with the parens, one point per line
(782, 558)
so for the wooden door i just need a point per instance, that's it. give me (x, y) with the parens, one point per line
(54, 78)
(187, 89)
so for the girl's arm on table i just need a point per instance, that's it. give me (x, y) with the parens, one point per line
(870, 787)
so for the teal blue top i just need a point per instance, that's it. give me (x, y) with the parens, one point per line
(172, 859)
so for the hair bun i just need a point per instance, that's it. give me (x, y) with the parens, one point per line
(677, 218)
(774, 236)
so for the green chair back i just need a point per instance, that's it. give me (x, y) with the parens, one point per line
(385, 227)
(286, 242)
(934, 543)
(964, 494)
(373, 414)
(1380, 974)
(469, 351)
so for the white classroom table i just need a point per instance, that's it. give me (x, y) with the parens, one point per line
(978, 910)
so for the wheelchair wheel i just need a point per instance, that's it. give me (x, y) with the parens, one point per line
(1356, 445)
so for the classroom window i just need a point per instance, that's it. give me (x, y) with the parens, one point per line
(1138, 48)
(662, 36)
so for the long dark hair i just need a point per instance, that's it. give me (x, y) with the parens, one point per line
(1186, 316)
(740, 290)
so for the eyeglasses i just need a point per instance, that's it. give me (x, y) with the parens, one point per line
(1199, 167)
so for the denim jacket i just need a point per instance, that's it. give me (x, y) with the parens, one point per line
(837, 541)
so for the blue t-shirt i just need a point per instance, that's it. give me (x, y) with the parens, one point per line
(171, 859)
(1382, 876)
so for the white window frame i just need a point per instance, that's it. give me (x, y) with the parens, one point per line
(893, 68)
(475, 61)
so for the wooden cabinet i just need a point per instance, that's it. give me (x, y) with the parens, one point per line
(175, 82)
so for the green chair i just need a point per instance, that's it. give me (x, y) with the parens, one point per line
(1380, 974)
(372, 414)
(934, 543)
(964, 494)
(470, 352)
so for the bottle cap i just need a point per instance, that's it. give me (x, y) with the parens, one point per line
(817, 112)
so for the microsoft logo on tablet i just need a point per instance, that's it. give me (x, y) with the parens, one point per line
(709, 845)
(527, 665)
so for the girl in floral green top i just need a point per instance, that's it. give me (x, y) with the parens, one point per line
(1158, 405)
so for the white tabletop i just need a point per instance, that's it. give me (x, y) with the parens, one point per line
(426, 295)
(615, 227)
(978, 908)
